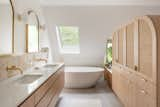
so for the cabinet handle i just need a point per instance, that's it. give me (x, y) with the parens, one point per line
(143, 92)
(144, 80)
(135, 68)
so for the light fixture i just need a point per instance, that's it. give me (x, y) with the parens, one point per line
(42, 27)
(22, 17)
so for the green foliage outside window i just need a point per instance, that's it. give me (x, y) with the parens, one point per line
(69, 36)
(109, 55)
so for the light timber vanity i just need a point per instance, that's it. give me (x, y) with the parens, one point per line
(43, 92)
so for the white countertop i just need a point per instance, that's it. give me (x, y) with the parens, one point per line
(12, 93)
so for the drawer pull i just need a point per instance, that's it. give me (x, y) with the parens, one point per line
(144, 80)
(143, 92)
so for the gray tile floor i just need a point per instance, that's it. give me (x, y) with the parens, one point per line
(98, 96)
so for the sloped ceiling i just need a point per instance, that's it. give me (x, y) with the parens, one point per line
(100, 2)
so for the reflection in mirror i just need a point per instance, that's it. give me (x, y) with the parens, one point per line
(6, 24)
(32, 32)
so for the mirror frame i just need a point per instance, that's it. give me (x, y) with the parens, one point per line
(13, 24)
(38, 28)
(11, 3)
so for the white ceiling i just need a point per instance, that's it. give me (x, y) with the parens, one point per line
(101, 2)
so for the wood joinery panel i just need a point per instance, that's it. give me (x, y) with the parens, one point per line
(108, 77)
(132, 95)
(30, 102)
(114, 47)
(120, 46)
(145, 49)
(47, 93)
(115, 79)
(137, 84)
(130, 46)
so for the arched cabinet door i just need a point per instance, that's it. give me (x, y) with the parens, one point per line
(114, 47)
(120, 45)
(130, 45)
(144, 48)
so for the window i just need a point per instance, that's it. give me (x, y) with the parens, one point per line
(108, 58)
(68, 39)
(109, 53)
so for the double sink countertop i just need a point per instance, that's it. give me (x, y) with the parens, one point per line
(15, 90)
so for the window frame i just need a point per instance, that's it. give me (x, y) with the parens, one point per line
(60, 42)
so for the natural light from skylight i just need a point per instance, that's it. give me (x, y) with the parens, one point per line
(68, 39)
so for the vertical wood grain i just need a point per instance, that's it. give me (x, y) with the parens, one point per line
(136, 44)
(145, 49)
(124, 47)
(130, 46)
(120, 46)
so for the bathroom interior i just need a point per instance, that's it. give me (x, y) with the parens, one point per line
(79, 53)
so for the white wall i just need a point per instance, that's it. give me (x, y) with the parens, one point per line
(21, 7)
(5, 29)
(96, 24)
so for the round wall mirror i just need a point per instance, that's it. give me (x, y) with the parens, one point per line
(6, 27)
(32, 32)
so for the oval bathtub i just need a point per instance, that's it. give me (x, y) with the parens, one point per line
(82, 77)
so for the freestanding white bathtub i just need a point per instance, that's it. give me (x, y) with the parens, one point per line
(82, 77)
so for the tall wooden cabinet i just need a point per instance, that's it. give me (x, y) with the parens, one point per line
(130, 45)
(136, 51)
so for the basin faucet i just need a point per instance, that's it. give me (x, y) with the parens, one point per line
(40, 59)
(13, 67)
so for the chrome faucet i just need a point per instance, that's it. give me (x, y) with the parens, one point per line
(13, 67)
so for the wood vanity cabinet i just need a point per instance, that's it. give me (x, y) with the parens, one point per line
(47, 94)
(30, 102)
(135, 71)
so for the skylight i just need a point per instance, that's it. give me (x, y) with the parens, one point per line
(68, 39)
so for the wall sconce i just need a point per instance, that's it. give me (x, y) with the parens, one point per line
(22, 17)
(42, 27)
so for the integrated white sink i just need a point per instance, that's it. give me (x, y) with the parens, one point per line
(50, 66)
(28, 78)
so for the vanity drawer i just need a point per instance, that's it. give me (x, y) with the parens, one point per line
(30, 102)
(51, 93)
(59, 86)
(39, 94)
(49, 90)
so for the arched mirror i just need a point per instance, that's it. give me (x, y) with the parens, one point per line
(32, 32)
(6, 27)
